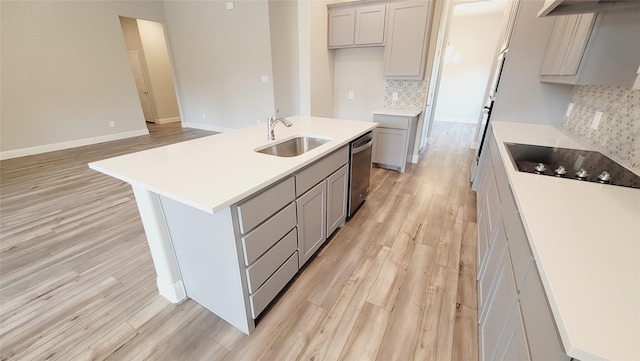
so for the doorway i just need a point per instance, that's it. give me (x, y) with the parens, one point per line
(151, 69)
(468, 58)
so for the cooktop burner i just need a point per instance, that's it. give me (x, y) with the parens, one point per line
(582, 165)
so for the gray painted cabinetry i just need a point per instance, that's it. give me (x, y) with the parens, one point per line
(594, 49)
(322, 206)
(406, 51)
(351, 25)
(391, 140)
(515, 320)
(235, 262)
(402, 27)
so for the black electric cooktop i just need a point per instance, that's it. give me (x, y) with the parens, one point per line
(581, 165)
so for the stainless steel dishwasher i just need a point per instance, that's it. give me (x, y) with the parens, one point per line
(359, 172)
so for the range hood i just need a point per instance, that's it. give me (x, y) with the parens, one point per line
(565, 7)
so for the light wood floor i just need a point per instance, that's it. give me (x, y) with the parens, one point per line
(396, 283)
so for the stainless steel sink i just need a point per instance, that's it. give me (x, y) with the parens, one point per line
(293, 147)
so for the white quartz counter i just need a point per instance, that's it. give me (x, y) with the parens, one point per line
(398, 111)
(585, 238)
(214, 172)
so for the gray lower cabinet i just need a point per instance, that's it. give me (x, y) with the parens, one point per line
(515, 320)
(389, 148)
(312, 218)
(392, 139)
(235, 262)
(322, 201)
(337, 187)
(542, 335)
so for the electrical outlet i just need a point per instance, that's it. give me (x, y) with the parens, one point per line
(394, 96)
(265, 78)
(350, 94)
(596, 120)
(258, 121)
(569, 108)
(204, 116)
(112, 124)
(230, 5)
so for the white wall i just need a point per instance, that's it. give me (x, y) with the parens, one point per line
(283, 20)
(65, 74)
(156, 56)
(219, 57)
(316, 61)
(360, 70)
(521, 96)
(463, 83)
(322, 61)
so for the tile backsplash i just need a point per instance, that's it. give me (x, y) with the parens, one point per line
(412, 94)
(618, 133)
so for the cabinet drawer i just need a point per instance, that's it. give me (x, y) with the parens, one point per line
(391, 121)
(261, 298)
(521, 255)
(502, 182)
(499, 307)
(313, 174)
(260, 207)
(490, 275)
(262, 238)
(266, 265)
(542, 334)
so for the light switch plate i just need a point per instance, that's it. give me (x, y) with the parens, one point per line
(350, 95)
(265, 78)
(231, 5)
(596, 120)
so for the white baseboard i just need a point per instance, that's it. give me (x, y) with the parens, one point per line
(167, 120)
(457, 120)
(174, 293)
(212, 128)
(15, 153)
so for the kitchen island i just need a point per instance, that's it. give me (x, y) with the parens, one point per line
(214, 208)
(584, 242)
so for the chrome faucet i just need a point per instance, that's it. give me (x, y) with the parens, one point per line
(271, 123)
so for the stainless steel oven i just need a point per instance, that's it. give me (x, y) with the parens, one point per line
(359, 172)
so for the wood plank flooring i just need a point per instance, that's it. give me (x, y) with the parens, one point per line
(77, 282)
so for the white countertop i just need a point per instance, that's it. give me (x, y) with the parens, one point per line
(214, 172)
(398, 111)
(587, 250)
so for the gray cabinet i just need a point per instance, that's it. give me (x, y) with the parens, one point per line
(341, 22)
(312, 218)
(391, 140)
(542, 335)
(322, 201)
(594, 49)
(350, 25)
(269, 242)
(515, 320)
(567, 44)
(369, 26)
(407, 34)
(337, 186)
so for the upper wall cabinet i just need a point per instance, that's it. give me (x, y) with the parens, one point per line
(567, 45)
(351, 26)
(406, 48)
(590, 49)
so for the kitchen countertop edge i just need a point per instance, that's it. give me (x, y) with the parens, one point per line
(556, 249)
(269, 169)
